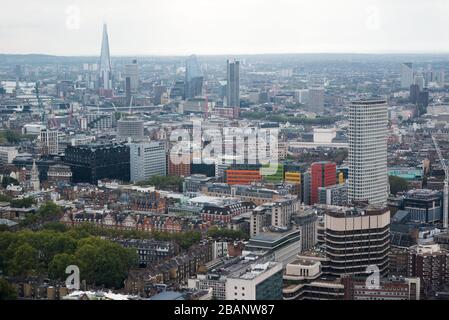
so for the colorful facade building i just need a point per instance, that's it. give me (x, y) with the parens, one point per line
(323, 174)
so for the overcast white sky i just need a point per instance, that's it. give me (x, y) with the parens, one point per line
(181, 27)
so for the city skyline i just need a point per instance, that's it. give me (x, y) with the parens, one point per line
(289, 27)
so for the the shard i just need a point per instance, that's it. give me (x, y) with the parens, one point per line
(105, 62)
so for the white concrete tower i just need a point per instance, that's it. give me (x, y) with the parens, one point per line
(368, 177)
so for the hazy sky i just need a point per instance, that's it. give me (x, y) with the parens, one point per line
(181, 27)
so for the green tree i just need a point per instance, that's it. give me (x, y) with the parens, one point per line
(161, 182)
(23, 203)
(55, 226)
(58, 265)
(4, 198)
(7, 291)
(6, 181)
(24, 262)
(397, 184)
(46, 213)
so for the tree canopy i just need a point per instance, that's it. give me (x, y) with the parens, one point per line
(46, 213)
(215, 232)
(397, 184)
(48, 253)
(161, 182)
(7, 291)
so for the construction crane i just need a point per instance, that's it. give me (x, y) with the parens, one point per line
(446, 183)
(39, 102)
(206, 101)
(131, 104)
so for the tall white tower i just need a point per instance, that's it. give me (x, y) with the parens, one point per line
(368, 177)
(105, 62)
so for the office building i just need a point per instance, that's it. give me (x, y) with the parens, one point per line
(388, 289)
(368, 181)
(181, 168)
(282, 212)
(302, 281)
(282, 244)
(7, 155)
(306, 222)
(407, 75)
(100, 120)
(423, 101)
(259, 282)
(414, 93)
(90, 163)
(430, 263)
(147, 159)
(315, 100)
(323, 174)
(424, 206)
(178, 90)
(194, 78)
(130, 128)
(59, 173)
(132, 72)
(356, 238)
(49, 142)
(336, 195)
(306, 188)
(420, 81)
(242, 176)
(233, 84)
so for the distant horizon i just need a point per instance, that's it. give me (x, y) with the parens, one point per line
(392, 53)
(219, 27)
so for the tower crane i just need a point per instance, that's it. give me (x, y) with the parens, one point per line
(39, 101)
(446, 183)
(206, 101)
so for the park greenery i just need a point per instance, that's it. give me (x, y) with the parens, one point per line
(161, 182)
(22, 203)
(267, 116)
(184, 239)
(7, 291)
(46, 213)
(48, 253)
(397, 184)
(223, 233)
(12, 137)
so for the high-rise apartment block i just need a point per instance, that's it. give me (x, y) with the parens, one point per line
(368, 181)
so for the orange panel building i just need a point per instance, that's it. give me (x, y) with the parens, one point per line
(242, 177)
